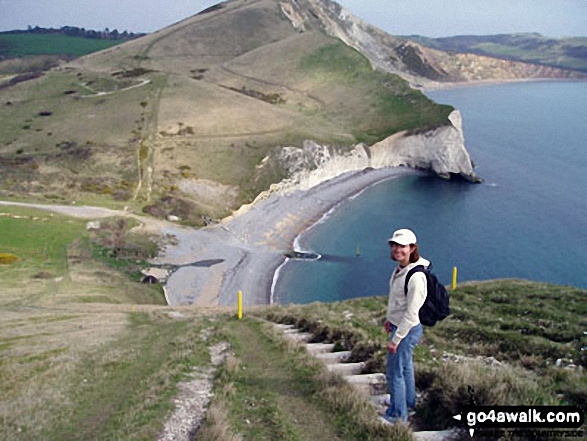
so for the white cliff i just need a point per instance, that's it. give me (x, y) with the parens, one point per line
(441, 151)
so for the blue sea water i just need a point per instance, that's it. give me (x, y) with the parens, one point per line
(527, 220)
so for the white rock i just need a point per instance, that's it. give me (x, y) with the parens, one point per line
(93, 225)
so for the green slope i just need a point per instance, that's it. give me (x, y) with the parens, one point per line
(567, 53)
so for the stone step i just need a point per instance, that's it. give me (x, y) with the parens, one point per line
(379, 400)
(299, 337)
(346, 369)
(292, 330)
(319, 348)
(282, 327)
(368, 384)
(334, 357)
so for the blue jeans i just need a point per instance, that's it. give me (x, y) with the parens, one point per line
(400, 374)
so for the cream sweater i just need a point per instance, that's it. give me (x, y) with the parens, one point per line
(402, 310)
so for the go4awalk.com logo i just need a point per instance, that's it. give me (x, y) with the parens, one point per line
(533, 421)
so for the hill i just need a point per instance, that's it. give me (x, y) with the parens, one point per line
(181, 120)
(565, 53)
(88, 353)
(201, 117)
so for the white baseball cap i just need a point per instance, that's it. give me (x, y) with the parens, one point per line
(403, 237)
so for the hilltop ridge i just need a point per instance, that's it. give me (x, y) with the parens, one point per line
(203, 116)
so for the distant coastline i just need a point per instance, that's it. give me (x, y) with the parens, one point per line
(430, 87)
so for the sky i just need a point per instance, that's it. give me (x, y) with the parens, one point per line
(432, 18)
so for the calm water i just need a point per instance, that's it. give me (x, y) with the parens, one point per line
(528, 220)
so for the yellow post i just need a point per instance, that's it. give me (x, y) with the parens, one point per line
(240, 305)
(454, 278)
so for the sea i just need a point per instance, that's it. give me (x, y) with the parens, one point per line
(527, 220)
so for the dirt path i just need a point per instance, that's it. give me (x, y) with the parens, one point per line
(275, 393)
(151, 225)
(141, 84)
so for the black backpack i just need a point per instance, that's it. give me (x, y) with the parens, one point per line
(436, 306)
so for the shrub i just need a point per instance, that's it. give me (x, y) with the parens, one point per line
(185, 209)
(7, 258)
(144, 151)
(43, 275)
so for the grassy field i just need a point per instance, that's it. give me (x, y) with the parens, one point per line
(72, 313)
(22, 45)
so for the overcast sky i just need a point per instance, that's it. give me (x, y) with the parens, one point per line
(434, 18)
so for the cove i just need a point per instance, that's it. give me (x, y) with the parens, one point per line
(527, 220)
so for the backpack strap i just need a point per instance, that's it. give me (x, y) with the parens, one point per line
(416, 269)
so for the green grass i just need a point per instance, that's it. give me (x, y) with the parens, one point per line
(20, 45)
(40, 244)
(330, 94)
(375, 104)
(524, 325)
(55, 260)
(124, 389)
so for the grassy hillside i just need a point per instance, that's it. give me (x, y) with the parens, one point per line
(567, 53)
(504, 339)
(167, 120)
(88, 352)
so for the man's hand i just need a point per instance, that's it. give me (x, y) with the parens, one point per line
(387, 326)
(391, 347)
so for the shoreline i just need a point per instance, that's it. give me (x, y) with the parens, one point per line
(493, 82)
(339, 191)
(245, 251)
(324, 218)
(248, 250)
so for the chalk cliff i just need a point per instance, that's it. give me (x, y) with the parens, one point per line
(441, 151)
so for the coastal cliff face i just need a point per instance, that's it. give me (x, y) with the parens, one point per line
(441, 151)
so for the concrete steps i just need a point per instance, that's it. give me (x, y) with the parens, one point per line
(372, 386)
(300, 337)
(346, 369)
(368, 384)
(333, 357)
(319, 348)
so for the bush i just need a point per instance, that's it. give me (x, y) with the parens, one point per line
(43, 275)
(7, 258)
(185, 209)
